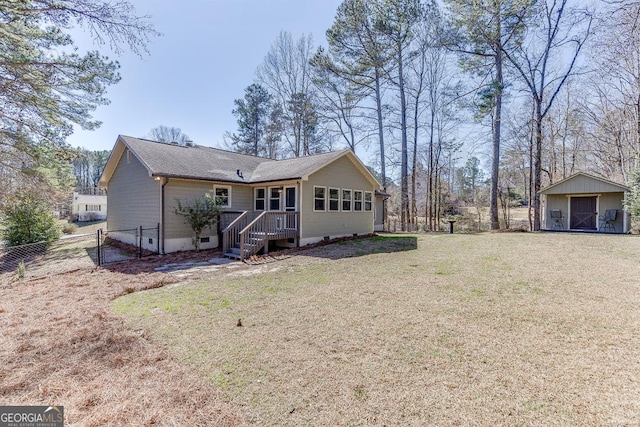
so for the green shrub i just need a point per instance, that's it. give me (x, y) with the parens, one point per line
(203, 213)
(28, 219)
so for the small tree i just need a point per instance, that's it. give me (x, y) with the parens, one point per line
(28, 219)
(203, 213)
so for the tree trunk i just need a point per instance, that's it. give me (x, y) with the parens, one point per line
(437, 185)
(383, 174)
(638, 128)
(537, 165)
(497, 119)
(414, 166)
(404, 188)
(530, 207)
(430, 189)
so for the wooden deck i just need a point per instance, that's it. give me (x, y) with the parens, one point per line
(244, 237)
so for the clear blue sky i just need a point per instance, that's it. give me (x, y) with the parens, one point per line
(207, 56)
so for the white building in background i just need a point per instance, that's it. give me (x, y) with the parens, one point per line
(88, 208)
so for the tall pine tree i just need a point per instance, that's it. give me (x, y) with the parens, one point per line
(253, 114)
(47, 85)
(484, 30)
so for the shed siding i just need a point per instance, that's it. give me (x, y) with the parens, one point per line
(557, 201)
(605, 201)
(610, 201)
(133, 196)
(581, 184)
(341, 173)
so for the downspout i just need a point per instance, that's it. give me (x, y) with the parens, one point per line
(299, 214)
(625, 224)
(165, 181)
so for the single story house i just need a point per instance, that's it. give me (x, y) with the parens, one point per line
(584, 202)
(86, 207)
(291, 202)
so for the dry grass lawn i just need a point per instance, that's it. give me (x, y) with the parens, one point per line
(60, 344)
(490, 329)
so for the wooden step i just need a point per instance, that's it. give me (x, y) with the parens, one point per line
(232, 255)
(249, 249)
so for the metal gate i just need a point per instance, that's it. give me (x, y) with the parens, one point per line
(127, 244)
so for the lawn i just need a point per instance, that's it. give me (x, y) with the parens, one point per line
(85, 227)
(61, 344)
(473, 329)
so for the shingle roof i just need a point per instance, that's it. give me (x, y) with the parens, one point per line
(277, 170)
(191, 162)
(213, 164)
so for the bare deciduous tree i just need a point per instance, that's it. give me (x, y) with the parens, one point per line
(563, 31)
(285, 72)
(169, 134)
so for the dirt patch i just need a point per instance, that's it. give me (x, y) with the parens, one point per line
(62, 345)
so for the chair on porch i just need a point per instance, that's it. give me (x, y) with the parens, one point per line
(557, 220)
(607, 221)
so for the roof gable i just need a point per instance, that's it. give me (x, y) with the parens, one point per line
(582, 183)
(212, 164)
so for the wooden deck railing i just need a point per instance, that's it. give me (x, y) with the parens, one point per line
(269, 225)
(231, 233)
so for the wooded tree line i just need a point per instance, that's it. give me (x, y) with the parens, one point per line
(87, 168)
(541, 89)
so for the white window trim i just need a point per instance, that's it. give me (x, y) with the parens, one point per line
(228, 187)
(329, 199)
(370, 193)
(317, 198)
(361, 200)
(350, 200)
(280, 198)
(264, 199)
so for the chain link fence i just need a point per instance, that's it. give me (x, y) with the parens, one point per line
(121, 245)
(77, 251)
(47, 258)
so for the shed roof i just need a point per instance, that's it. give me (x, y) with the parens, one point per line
(213, 164)
(583, 183)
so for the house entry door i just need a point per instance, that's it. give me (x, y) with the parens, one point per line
(290, 205)
(583, 213)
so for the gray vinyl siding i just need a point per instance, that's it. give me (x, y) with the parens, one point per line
(187, 191)
(341, 173)
(133, 196)
(379, 210)
(242, 199)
